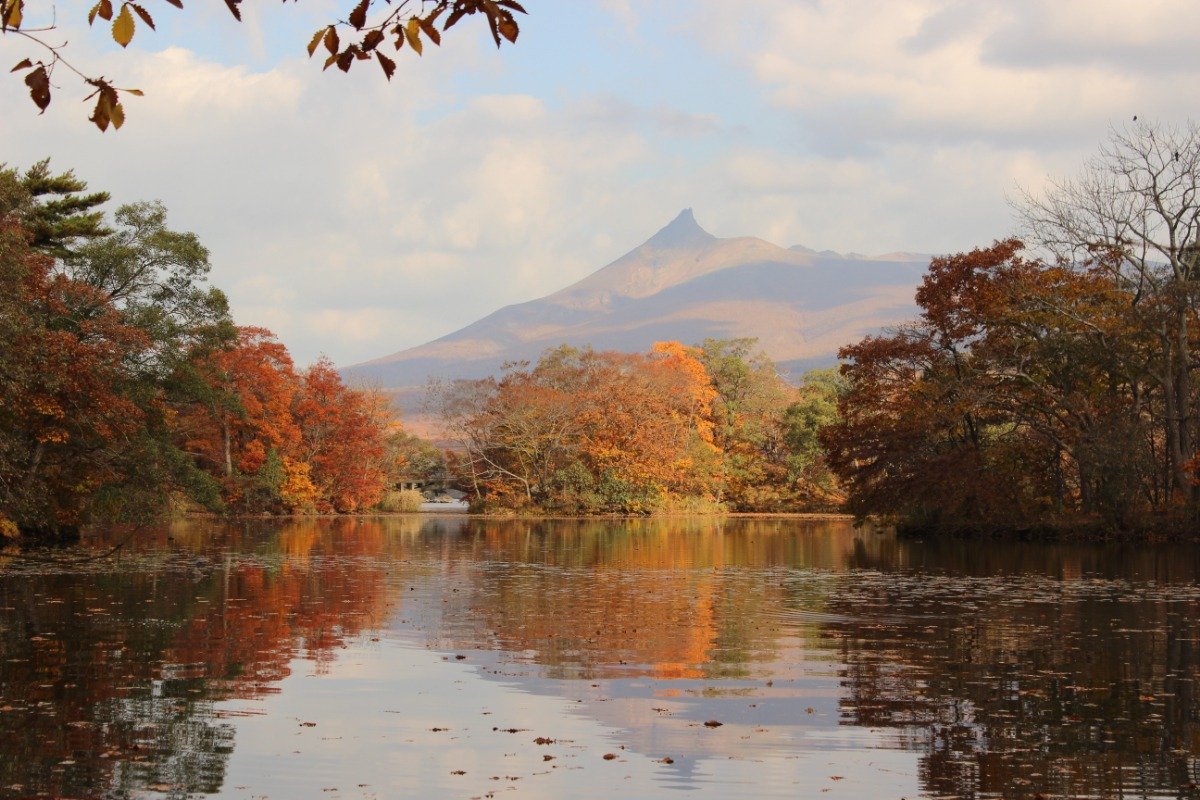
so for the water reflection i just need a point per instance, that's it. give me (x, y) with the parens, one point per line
(110, 675)
(835, 658)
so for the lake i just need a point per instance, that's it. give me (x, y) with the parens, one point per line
(447, 656)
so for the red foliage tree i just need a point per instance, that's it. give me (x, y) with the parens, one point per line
(300, 442)
(246, 424)
(343, 437)
(1011, 399)
(69, 405)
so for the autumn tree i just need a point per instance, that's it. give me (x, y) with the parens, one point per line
(246, 432)
(1007, 402)
(65, 404)
(86, 416)
(685, 428)
(367, 31)
(282, 440)
(585, 431)
(343, 436)
(1134, 212)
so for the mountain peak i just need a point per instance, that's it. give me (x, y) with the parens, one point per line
(682, 232)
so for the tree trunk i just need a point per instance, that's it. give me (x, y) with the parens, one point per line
(226, 437)
(1177, 395)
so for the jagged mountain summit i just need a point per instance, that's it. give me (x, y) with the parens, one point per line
(685, 284)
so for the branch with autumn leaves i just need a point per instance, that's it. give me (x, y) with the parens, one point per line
(363, 36)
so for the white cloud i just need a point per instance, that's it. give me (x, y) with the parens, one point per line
(623, 11)
(187, 89)
(356, 217)
(768, 171)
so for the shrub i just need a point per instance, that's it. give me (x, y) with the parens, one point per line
(404, 500)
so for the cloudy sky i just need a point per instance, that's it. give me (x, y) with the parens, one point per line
(356, 217)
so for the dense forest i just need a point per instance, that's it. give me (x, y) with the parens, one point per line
(127, 391)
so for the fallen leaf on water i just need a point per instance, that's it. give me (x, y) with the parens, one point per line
(712, 723)
(609, 756)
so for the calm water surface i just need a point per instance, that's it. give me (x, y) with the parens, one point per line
(440, 656)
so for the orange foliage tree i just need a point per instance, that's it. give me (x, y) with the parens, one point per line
(586, 431)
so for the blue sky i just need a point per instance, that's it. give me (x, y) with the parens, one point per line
(356, 218)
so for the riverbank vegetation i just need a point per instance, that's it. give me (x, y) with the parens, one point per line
(677, 429)
(126, 390)
(1050, 388)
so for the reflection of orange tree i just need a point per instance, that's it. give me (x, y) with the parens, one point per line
(125, 667)
(651, 595)
(1010, 694)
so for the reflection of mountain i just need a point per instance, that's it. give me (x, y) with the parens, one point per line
(682, 284)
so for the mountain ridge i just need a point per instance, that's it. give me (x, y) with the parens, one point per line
(682, 283)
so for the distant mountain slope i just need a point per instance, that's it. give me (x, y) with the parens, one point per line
(682, 284)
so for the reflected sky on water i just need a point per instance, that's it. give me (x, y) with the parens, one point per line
(443, 656)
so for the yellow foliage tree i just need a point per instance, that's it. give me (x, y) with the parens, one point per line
(297, 492)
